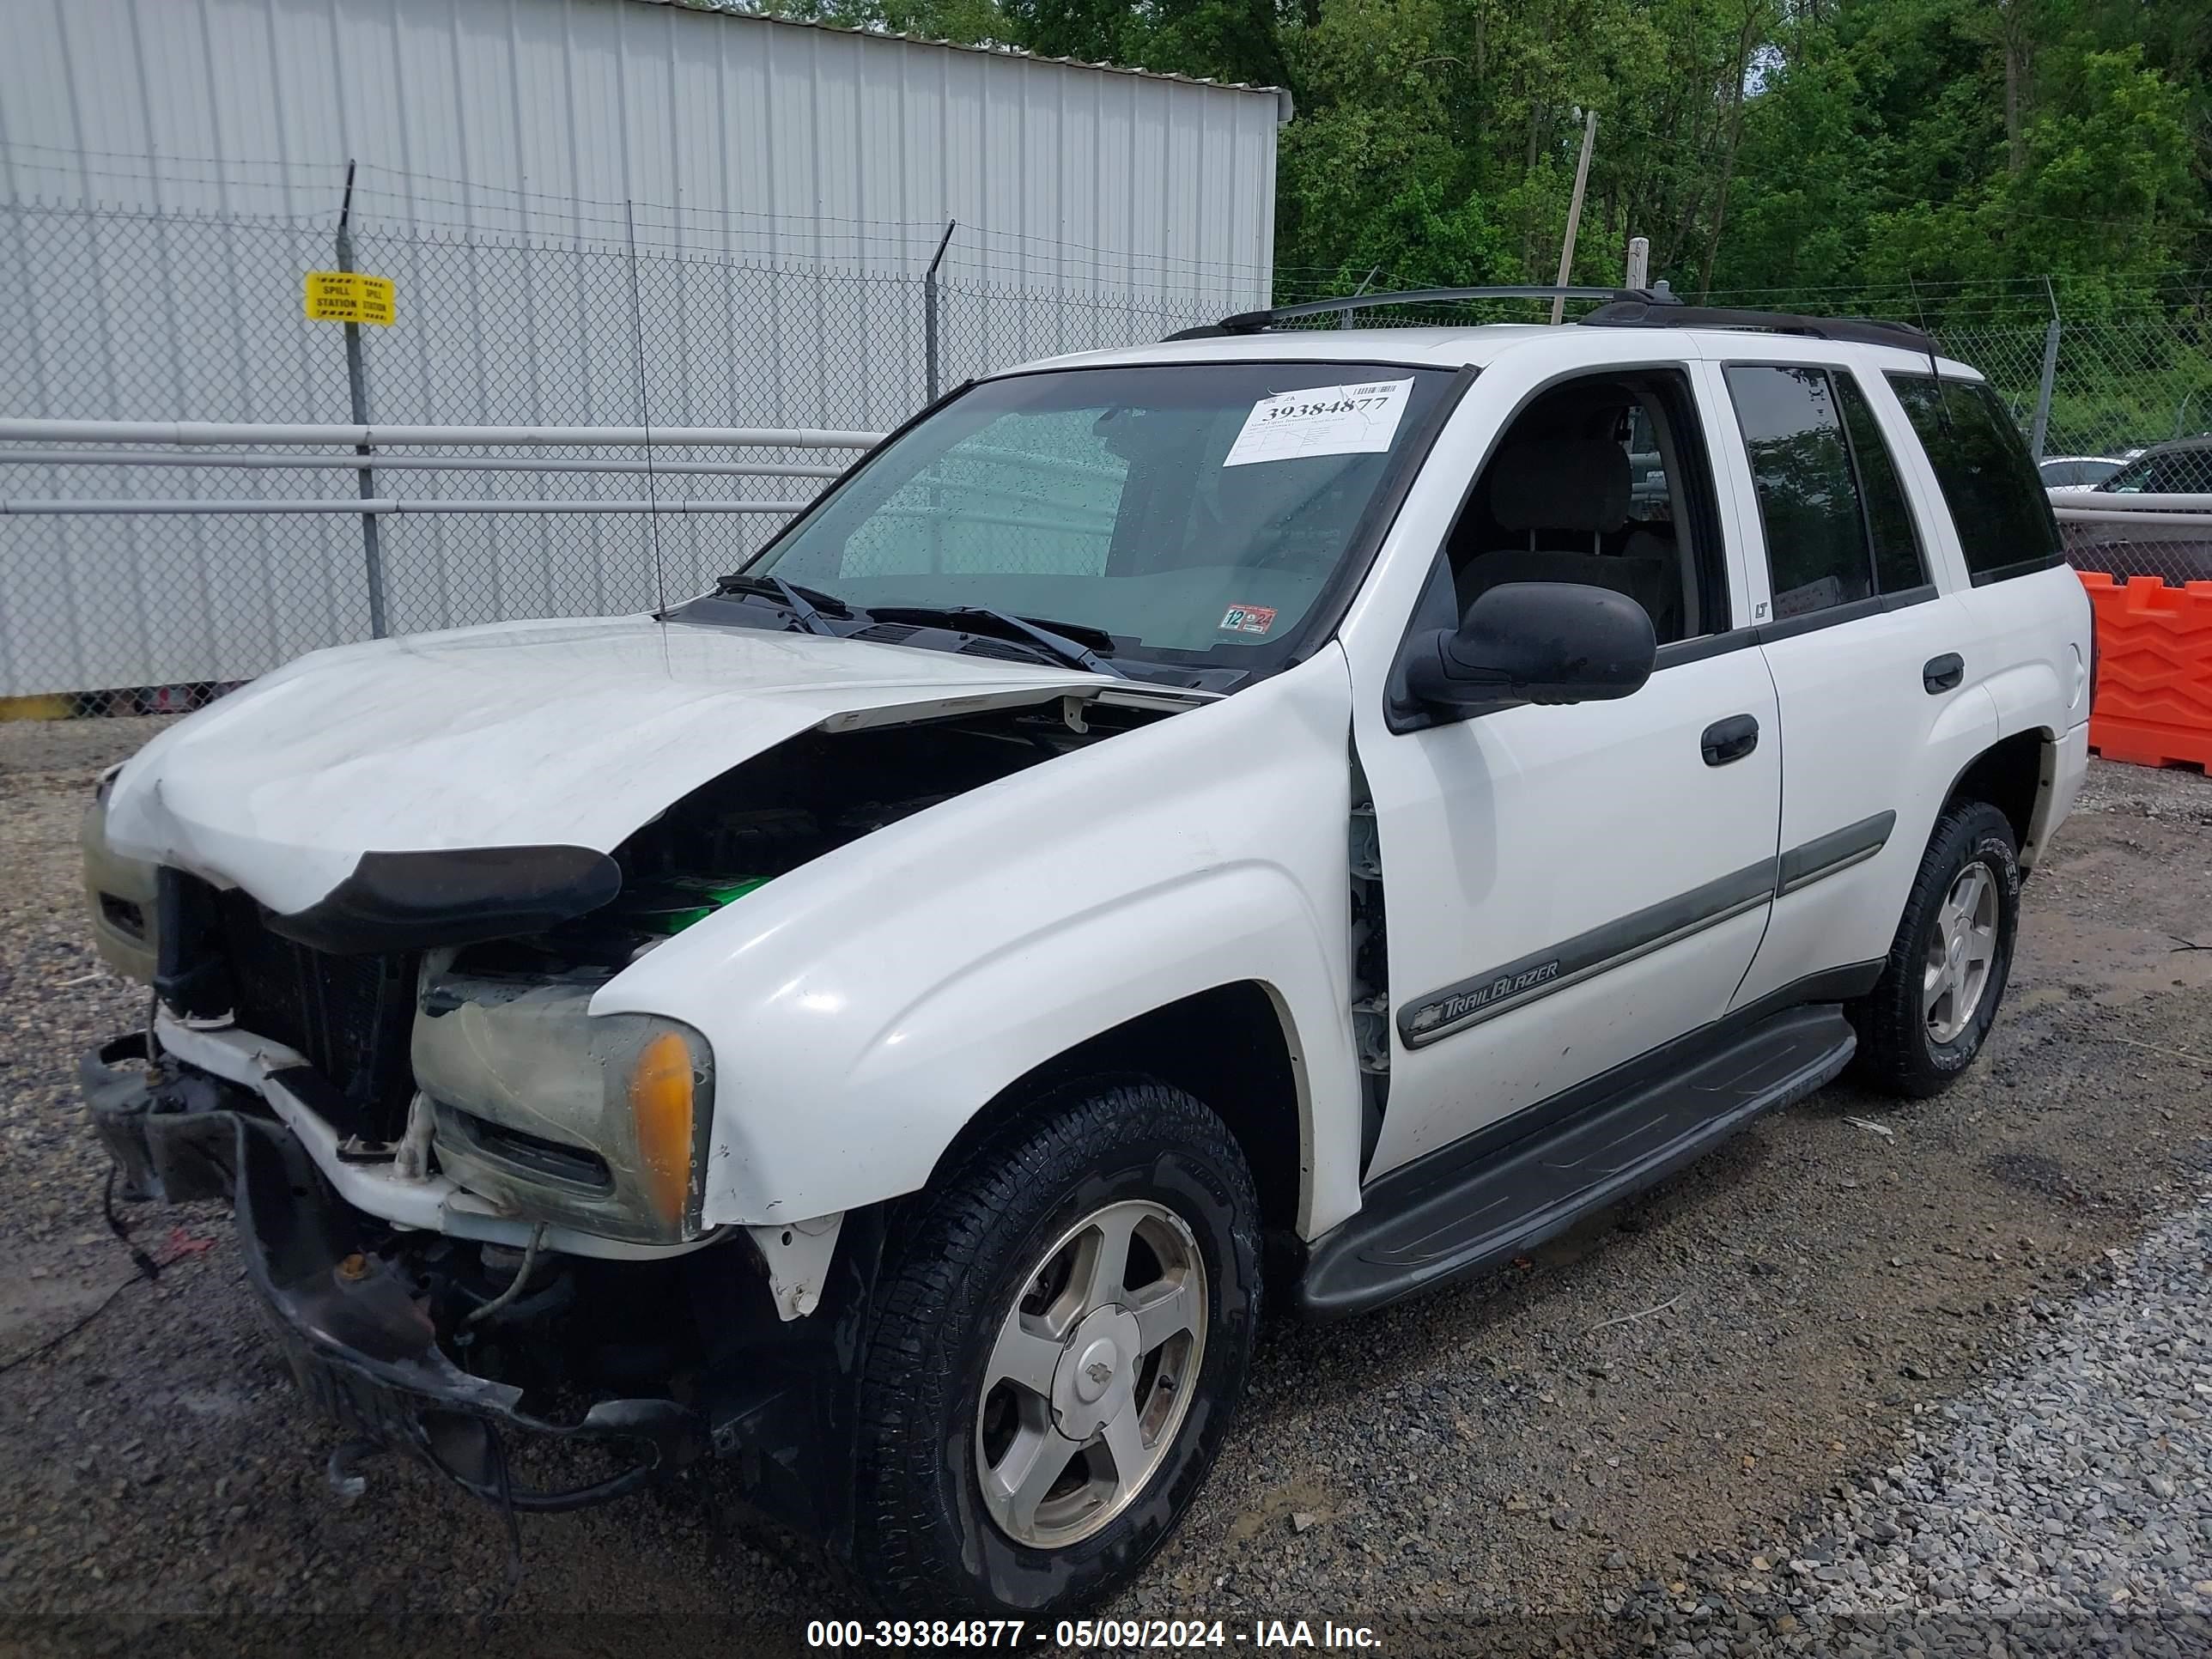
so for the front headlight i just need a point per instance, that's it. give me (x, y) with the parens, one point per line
(600, 1124)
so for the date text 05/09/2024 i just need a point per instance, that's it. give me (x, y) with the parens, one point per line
(1257, 1635)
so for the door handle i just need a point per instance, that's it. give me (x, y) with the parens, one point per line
(1942, 673)
(1730, 739)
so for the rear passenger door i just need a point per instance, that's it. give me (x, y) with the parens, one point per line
(1867, 642)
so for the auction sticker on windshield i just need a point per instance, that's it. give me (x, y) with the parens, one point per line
(1322, 420)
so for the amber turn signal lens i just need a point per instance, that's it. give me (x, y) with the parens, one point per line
(660, 1104)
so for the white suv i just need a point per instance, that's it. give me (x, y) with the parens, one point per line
(1352, 801)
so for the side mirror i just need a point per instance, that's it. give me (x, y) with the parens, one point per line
(1543, 643)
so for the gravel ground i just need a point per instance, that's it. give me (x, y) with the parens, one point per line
(1829, 1391)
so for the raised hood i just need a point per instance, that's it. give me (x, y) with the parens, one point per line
(546, 735)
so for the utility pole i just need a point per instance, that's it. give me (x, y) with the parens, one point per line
(1575, 213)
(1639, 262)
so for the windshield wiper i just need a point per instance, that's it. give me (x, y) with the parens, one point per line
(806, 604)
(1074, 653)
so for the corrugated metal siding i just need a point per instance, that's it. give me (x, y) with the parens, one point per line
(169, 170)
(737, 135)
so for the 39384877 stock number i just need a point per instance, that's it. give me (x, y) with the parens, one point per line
(1016, 1633)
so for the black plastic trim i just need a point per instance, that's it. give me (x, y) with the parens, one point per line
(1475, 1204)
(464, 896)
(1425, 1020)
(1862, 330)
(2005, 573)
(1834, 616)
(1254, 322)
(1843, 984)
(1823, 856)
(1616, 943)
(1812, 622)
(1704, 646)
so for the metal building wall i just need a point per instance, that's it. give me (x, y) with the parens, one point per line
(739, 135)
(169, 170)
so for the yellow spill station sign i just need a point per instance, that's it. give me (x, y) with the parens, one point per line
(348, 296)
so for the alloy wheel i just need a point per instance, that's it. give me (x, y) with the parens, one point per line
(1961, 951)
(1090, 1377)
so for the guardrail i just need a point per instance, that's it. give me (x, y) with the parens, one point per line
(2169, 537)
(96, 599)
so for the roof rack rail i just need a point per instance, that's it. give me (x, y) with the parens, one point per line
(1253, 322)
(1632, 312)
(1621, 308)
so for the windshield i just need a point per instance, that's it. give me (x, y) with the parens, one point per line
(1188, 512)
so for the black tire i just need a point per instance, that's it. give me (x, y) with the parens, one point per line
(924, 1541)
(1898, 1052)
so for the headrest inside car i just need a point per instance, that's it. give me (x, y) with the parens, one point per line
(1576, 484)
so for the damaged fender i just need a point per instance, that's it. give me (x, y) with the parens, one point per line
(863, 1007)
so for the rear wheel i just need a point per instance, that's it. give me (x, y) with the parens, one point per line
(1058, 1348)
(1929, 1016)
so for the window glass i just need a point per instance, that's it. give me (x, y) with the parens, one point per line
(1601, 481)
(1800, 464)
(1177, 509)
(1898, 564)
(1989, 484)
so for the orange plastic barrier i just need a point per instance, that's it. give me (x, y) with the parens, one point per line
(2153, 671)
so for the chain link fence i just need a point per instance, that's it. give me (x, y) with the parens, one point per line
(155, 601)
(146, 599)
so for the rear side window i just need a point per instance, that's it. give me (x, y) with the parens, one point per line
(1898, 564)
(1988, 482)
(1817, 552)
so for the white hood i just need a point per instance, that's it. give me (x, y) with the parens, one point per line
(539, 733)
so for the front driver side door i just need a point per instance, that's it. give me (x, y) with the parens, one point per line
(1566, 888)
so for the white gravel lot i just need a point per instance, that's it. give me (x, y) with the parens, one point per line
(2076, 1482)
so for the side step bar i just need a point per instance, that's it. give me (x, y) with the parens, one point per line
(1433, 1221)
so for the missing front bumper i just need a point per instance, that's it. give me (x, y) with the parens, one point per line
(366, 1353)
(360, 1343)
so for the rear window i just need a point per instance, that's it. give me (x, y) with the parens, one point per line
(1988, 482)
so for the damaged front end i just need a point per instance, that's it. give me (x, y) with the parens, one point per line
(365, 1313)
(475, 1209)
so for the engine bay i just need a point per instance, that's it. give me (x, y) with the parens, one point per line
(784, 808)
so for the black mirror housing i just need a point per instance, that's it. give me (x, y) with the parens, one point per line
(1540, 642)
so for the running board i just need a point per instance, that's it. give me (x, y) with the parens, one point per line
(1422, 1226)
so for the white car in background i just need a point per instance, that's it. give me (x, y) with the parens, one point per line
(1308, 812)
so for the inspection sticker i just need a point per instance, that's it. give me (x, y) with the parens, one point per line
(1249, 619)
(1322, 420)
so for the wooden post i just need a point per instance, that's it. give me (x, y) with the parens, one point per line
(1575, 213)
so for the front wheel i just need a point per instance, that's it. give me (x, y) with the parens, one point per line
(1929, 1016)
(1058, 1348)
